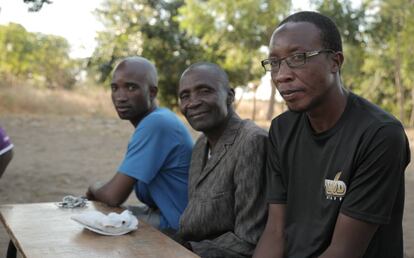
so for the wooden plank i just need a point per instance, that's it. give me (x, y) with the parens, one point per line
(44, 230)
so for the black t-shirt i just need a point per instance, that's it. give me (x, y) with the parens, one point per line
(355, 168)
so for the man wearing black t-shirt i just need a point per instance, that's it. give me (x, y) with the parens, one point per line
(335, 161)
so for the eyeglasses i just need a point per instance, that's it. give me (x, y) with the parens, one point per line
(296, 60)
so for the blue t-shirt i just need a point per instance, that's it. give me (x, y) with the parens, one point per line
(158, 156)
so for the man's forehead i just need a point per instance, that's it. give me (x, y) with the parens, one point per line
(134, 66)
(202, 70)
(199, 79)
(297, 25)
(131, 70)
(200, 74)
(295, 35)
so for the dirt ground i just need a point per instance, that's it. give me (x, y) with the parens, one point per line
(56, 156)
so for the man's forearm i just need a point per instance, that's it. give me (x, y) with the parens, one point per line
(97, 192)
(270, 245)
(350, 239)
(114, 192)
(272, 241)
(227, 245)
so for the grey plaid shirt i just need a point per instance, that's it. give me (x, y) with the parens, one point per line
(226, 212)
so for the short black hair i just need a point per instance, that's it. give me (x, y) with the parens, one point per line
(221, 74)
(150, 72)
(330, 36)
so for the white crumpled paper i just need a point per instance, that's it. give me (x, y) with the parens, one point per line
(113, 224)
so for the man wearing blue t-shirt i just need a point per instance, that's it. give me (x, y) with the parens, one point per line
(157, 160)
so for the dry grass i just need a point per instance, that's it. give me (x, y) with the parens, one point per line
(93, 102)
(79, 102)
(96, 102)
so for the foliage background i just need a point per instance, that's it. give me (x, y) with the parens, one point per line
(377, 37)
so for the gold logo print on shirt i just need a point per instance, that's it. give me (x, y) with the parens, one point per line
(335, 188)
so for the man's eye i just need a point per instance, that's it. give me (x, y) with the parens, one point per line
(132, 87)
(205, 91)
(274, 63)
(184, 97)
(113, 88)
(297, 58)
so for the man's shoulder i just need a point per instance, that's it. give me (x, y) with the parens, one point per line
(365, 115)
(250, 128)
(160, 118)
(200, 142)
(249, 135)
(163, 124)
(287, 116)
(160, 114)
(286, 122)
(368, 110)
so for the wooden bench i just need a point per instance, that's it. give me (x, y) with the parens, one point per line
(42, 230)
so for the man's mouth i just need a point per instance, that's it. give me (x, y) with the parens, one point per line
(197, 114)
(290, 95)
(122, 108)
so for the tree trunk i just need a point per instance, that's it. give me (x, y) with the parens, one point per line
(254, 87)
(412, 108)
(237, 103)
(399, 85)
(400, 92)
(272, 102)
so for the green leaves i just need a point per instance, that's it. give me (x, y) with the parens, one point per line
(231, 33)
(150, 29)
(40, 59)
(377, 37)
(389, 62)
(175, 33)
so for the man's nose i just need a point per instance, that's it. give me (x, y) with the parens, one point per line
(193, 101)
(284, 73)
(120, 95)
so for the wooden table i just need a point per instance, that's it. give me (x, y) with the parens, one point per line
(45, 230)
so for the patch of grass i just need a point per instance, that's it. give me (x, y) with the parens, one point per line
(80, 102)
(93, 101)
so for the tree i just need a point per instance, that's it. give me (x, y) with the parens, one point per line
(351, 23)
(41, 59)
(16, 46)
(147, 28)
(36, 5)
(233, 34)
(55, 67)
(390, 62)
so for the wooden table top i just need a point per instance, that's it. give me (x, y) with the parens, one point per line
(44, 230)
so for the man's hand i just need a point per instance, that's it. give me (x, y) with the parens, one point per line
(92, 189)
(114, 192)
(89, 195)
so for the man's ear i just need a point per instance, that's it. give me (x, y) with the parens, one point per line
(153, 91)
(230, 96)
(338, 60)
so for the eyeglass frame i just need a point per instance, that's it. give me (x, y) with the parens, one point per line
(306, 56)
